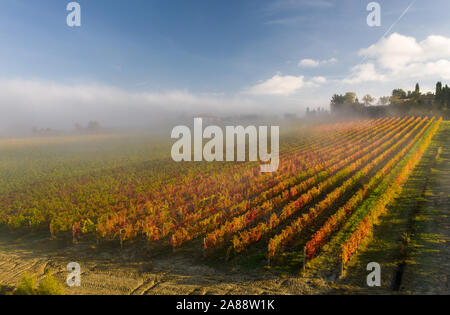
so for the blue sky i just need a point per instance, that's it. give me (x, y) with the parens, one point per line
(225, 49)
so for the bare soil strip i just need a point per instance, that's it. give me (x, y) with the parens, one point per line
(109, 270)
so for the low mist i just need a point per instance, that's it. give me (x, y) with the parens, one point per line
(28, 104)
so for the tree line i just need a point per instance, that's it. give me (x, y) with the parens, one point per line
(399, 103)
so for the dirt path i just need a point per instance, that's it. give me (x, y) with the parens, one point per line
(427, 270)
(114, 271)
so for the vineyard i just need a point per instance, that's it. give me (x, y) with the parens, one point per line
(334, 179)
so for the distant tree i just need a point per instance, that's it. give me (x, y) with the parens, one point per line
(290, 116)
(411, 102)
(438, 88)
(445, 96)
(368, 99)
(350, 98)
(383, 100)
(347, 103)
(438, 94)
(93, 126)
(337, 102)
(399, 93)
(417, 90)
(397, 96)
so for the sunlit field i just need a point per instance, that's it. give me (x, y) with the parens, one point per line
(121, 193)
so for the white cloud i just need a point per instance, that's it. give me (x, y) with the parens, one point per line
(399, 57)
(311, 63)
(316, 82)
(364, 73)
(278, 85)
(319, 80)
(393, 52)
(284, 85)
(439, 69)
(436, 47)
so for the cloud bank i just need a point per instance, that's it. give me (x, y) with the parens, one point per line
(400, 57)
(27, 103)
